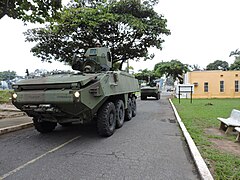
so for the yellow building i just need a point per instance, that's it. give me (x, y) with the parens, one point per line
(214, 84)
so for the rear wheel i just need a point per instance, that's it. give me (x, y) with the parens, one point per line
(158, 96)
(120, 113)
(43, 126)
(134, 107)
(128, 111)
(106, 119)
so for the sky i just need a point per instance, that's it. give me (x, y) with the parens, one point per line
(201, 32)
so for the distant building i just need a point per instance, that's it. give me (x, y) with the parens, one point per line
(214, 84)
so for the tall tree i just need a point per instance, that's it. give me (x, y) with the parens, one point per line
(30, 10)
(173, 68)
(218, 65)
(128, 28)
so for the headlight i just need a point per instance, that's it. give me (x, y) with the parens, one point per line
(14, 96)
(77, 94)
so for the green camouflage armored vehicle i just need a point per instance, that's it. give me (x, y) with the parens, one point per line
(150, 90)
(95, 93)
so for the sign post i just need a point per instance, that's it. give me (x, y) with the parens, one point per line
(183, 88)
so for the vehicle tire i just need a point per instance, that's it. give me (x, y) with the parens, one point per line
(43, 126)
(134, 107)
(157, 96)
(120, 113)
(66, 124)
(106, 119)
(128, 111)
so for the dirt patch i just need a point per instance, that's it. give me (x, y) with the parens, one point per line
(224, 144)
(227, 146)
(214, 131)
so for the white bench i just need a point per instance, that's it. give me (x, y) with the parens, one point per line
(238, 136)
(228, 124)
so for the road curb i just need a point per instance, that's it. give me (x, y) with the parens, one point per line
(15, 128)
(200, 163)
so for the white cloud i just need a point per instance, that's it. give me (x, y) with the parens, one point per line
(201, 31)
(15, 52)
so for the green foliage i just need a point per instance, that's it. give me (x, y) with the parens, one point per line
(218, 65)
(7, 75)
(235, 65)
(4, 96)
(173, 68)
(202, 114)
(146, 75)
(31, 11)
(195, 67)
(128, 28)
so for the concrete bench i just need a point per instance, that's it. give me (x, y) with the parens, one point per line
(228, 124)
(238, 136)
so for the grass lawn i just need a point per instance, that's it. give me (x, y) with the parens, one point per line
(202, 115)
(4, 96)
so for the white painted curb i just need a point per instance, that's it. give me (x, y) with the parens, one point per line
(201, 165)
(15, 128)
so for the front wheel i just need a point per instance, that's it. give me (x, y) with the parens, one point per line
(106, 119)
(43, 126)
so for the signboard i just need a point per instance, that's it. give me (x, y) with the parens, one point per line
(185, 88)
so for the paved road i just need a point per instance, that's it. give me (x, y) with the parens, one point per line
(150, 146)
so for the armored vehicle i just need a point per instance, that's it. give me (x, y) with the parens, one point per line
(95, 93)
(150, 90)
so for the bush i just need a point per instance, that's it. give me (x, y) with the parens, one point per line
(4, 96)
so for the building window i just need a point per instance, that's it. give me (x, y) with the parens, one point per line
(236, 86)
(205, 86)
(221, 86)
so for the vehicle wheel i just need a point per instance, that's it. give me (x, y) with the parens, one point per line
(134, 107)
(120, 113)
(66, 124)
(43, 126)
(106, 119)
(157, 96)
(128, 111)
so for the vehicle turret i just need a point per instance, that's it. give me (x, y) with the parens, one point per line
(94, 60)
